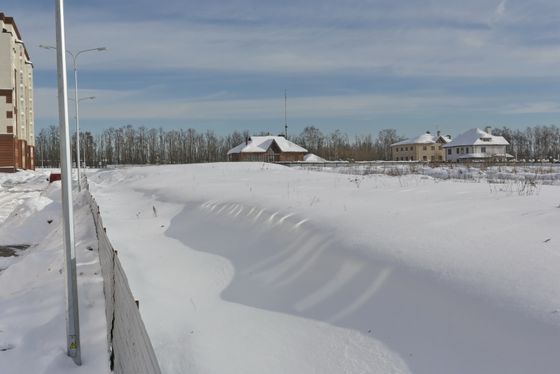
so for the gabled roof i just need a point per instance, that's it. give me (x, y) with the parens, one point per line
(424, 139)
(260, 144)
(477, 137)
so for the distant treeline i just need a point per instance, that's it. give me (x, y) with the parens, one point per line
(131, 145)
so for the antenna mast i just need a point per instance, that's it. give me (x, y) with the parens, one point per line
(285, 114)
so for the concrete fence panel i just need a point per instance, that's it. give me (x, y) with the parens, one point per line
(130, 346)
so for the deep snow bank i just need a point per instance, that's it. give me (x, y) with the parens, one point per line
(285, 264)
(32, 297)
(256, 266)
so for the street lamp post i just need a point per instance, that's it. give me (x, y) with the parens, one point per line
(75, 65)
(72, 312)
(77, 138)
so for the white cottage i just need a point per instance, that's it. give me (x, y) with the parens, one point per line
(477, 144)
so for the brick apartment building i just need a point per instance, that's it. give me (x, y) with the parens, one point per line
(17, 138)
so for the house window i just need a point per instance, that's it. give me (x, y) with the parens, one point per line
(457, 150)
(424, 158)
(449, 151)
(424, 148)
(433, 147)
(439, 148)
(467, 150)
(483, 149)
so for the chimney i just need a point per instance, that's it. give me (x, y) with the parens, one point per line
(438, 133)
(488, 129)
(246, 140)
(427, 132)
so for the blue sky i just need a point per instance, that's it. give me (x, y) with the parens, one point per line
(356, 65)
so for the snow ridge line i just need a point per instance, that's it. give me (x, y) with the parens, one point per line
(131, 350)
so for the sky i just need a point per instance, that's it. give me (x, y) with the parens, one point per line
(355, 65)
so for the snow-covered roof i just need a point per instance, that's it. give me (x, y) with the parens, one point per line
(310, 157)
(477, 137)
(426, 138)
(260, 144)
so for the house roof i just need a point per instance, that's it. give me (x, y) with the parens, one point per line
(477, 137)
(310, 157)
(426, 138)
(260, 144)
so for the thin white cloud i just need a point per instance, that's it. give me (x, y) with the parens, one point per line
(501, 9)
(533, 108)
(441, 49)
(139, 105)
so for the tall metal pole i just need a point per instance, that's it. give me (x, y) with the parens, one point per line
(75, 65)
(77, 121)
(285, 114)
(72, 313)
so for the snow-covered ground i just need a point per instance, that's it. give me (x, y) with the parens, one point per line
(258, 268)
(32, 306)
(546, 173)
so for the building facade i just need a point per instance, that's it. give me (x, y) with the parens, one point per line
(477, 145)
(17, 134)
(267, 149)
(426, 147)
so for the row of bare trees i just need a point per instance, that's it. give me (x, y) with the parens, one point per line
(533, 143)
(131, 145)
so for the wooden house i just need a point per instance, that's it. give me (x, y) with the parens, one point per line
(267, 149)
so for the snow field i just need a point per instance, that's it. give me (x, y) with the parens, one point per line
(252, 268)
(32, 296)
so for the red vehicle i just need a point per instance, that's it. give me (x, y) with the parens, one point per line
(54, 177)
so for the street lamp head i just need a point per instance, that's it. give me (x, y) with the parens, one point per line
(46, 46)
(82, 98)
(101, 49)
